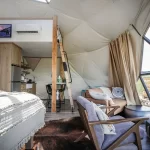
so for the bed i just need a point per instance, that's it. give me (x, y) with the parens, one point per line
(21, 115)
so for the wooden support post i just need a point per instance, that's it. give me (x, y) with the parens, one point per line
(54, 64)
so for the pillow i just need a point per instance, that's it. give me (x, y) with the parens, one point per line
(118, 92)
(107, 128)
(98, 95)
(3, 93)
(107, 91)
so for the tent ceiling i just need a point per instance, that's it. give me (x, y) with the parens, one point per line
(107, 17)
(87, 27)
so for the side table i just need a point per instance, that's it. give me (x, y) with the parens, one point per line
(136, 111)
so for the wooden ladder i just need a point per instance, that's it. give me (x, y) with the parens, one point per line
(67, 74)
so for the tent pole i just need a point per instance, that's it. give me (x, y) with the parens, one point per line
(143, 37)
(54, 64)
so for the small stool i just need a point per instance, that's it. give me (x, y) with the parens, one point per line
(148, 128)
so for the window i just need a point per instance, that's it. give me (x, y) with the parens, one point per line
(146, 57)
(148, 34)
(143, 85)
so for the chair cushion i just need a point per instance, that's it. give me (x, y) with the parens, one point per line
(107, 91)
(97, 128)
(121, 128)
(83, 101)
(127, 147)
(99, 96)
(92, 117)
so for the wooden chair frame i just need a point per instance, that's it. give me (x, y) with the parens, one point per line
(89, 128)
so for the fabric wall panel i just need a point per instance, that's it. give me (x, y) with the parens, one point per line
(114, 19)
(78, 84)
(143, 19)
(4, 13)
(26, 8)
(92, 66)
(67, 7)
(85, 37)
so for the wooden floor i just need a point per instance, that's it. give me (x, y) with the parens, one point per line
(66, 113)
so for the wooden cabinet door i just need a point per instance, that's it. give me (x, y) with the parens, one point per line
(5, 67)
(16, 55)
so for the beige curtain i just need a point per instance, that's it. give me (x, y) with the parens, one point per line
(123, 69)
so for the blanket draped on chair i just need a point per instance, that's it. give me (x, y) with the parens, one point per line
(123, 67)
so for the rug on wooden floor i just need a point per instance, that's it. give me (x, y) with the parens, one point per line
(61, 134)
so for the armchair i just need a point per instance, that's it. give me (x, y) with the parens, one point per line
(128, 132)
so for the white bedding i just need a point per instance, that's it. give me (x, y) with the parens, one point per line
(17, 109)
(15, 98)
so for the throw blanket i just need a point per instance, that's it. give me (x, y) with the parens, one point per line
(107, 128)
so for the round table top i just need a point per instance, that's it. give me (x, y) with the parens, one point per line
(137, 108)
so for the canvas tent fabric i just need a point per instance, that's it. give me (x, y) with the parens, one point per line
(87, 27)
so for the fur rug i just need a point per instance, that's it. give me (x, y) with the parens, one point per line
(61, 134)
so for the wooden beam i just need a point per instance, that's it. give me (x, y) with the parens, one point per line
(54, 64)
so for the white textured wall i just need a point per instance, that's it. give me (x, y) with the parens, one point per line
(42, 75)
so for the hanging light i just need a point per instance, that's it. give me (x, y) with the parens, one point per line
(43, 1)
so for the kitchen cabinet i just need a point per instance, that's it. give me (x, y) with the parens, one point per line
(5, 67)
(9, 54)
(16, 55)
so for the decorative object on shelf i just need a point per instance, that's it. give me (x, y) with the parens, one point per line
(26, 72)
(59, 79)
